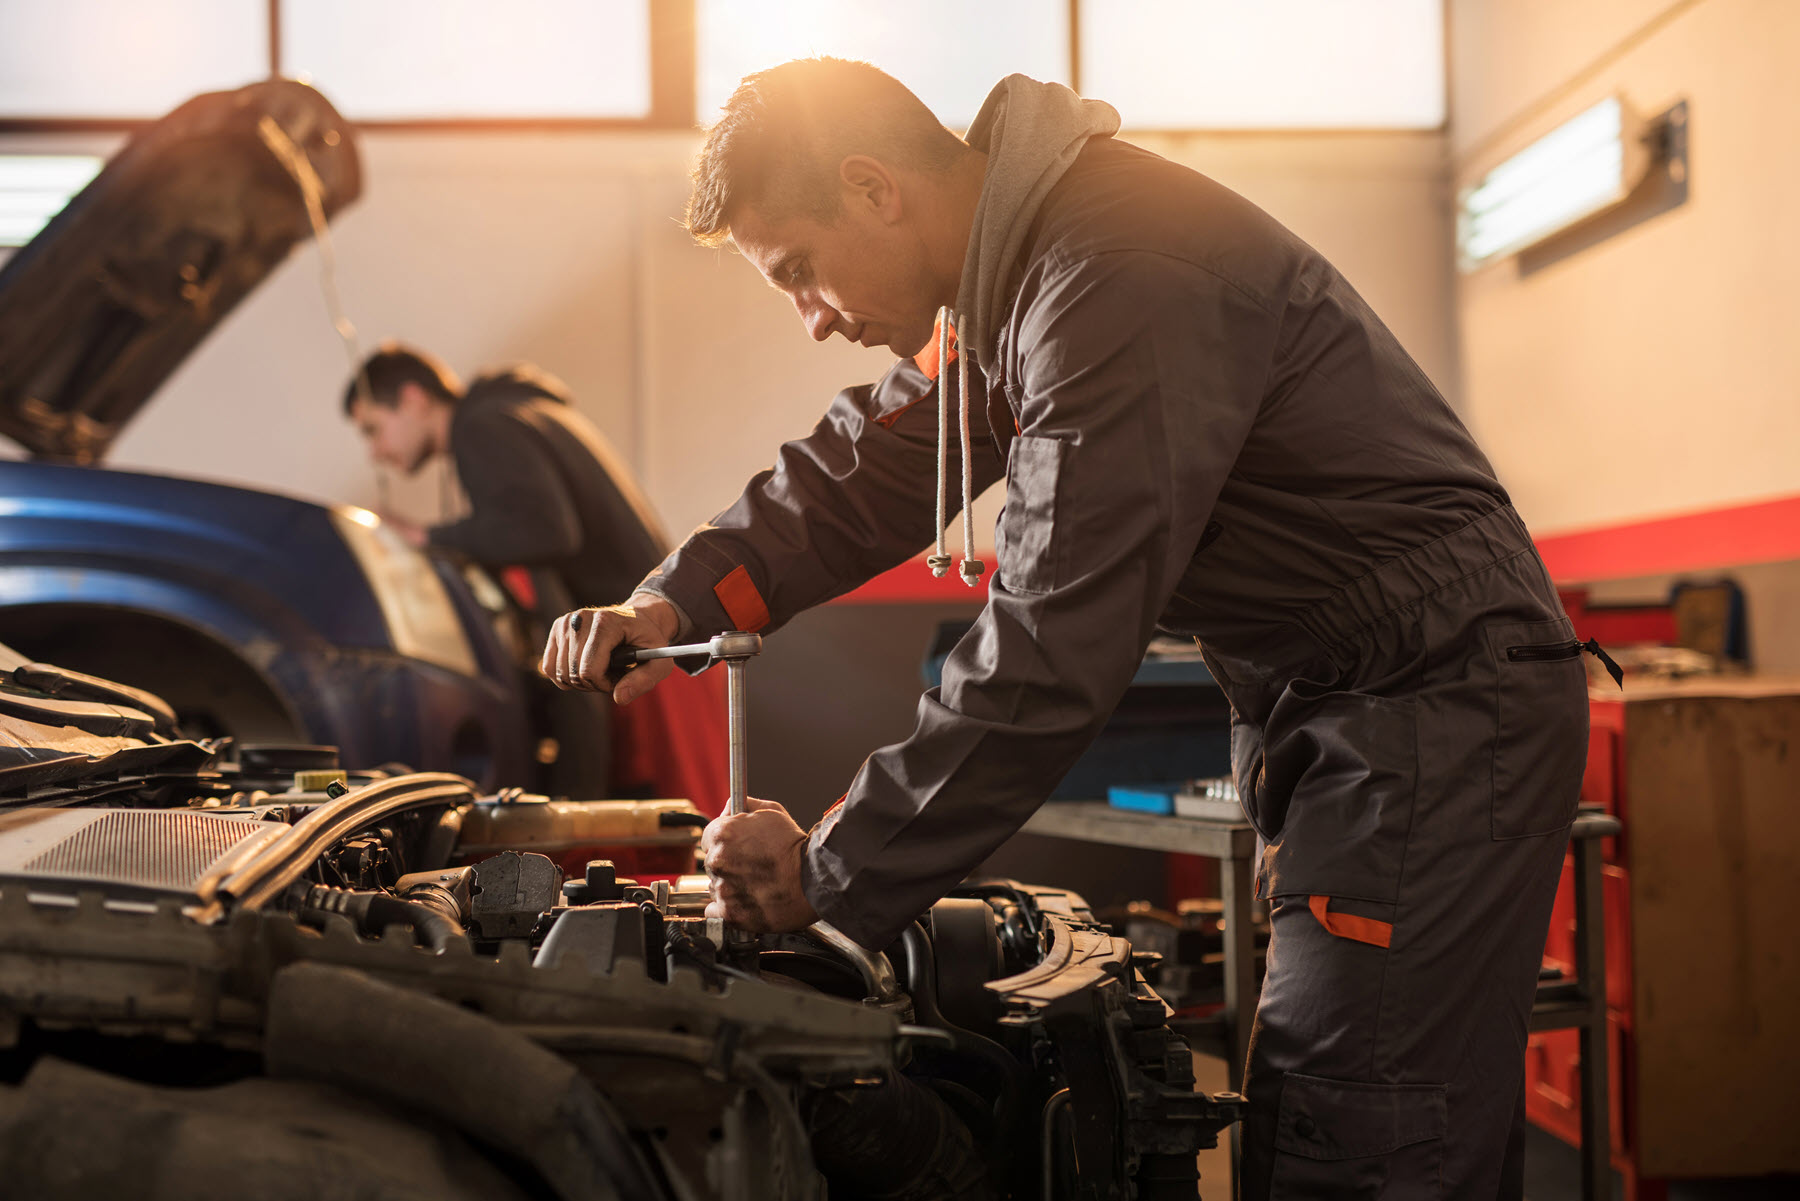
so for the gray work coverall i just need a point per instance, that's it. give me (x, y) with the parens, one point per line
(1205, 431)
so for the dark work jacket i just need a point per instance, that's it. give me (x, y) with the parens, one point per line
(546, 491)
(1204, 430)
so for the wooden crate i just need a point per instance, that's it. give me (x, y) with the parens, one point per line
(1711, 793)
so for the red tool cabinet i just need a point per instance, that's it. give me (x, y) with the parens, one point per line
(1703, 959)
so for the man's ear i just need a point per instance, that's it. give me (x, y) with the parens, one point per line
(869, 184)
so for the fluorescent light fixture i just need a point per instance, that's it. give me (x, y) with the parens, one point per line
(1583, 167)
(35, 187)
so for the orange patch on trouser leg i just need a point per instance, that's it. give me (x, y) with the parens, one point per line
(1348, 925)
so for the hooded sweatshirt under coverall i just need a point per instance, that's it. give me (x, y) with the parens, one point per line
(1205, 431)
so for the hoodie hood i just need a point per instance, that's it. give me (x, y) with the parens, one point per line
(1031, 133)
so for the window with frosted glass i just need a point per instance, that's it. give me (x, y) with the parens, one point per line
(413, 60)
(950, 54)
(1267, 64)
(125, 58)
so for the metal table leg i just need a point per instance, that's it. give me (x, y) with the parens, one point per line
(1235, 878)
(1590, 956)
(1241, 990)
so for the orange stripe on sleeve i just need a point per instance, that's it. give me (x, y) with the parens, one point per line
(1348, 925)
(743, 603)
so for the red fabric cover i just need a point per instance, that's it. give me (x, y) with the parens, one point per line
(518, 582)
(673, 742)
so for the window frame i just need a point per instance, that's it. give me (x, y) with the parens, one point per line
(673, 102)
(671, 91)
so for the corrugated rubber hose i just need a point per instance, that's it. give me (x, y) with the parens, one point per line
(340, 1027)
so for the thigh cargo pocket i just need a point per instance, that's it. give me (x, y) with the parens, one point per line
(1540, 726)
(1338, 1138)
(1339, 774)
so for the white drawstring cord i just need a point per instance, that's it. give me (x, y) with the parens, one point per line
(972, 567)
(940, 561)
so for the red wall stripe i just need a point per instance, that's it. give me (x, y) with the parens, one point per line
(1764, 532)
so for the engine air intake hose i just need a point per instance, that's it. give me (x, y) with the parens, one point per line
(373, 912)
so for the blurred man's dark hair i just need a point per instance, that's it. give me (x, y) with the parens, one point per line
(393, 364)
(785, 130)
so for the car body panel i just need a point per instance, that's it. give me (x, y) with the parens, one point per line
(269, 579)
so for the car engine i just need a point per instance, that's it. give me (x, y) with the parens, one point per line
(245, 972)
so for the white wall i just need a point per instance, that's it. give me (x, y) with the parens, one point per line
(1657, 371)
(565, 249)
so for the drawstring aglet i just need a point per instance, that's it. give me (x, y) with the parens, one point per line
(971, 570)
(939, 562)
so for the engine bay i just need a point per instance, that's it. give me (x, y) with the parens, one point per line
(195, 936)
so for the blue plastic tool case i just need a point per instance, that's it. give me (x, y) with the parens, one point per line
(1172, 724)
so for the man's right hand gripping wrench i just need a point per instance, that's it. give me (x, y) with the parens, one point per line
(578, 652)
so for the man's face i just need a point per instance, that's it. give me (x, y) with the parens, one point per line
(860, 277)
(399, 435)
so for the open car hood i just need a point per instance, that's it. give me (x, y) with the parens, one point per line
(102, 306)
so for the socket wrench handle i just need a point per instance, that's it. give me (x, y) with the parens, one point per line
(728, 647)
(737, 737)
(734, 649)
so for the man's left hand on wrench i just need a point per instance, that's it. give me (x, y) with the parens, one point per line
(753, 852)
(753, 859)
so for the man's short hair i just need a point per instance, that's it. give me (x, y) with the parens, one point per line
(393, 364)
(785, 130)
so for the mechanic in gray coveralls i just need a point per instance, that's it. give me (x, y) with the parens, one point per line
(1204, 430)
